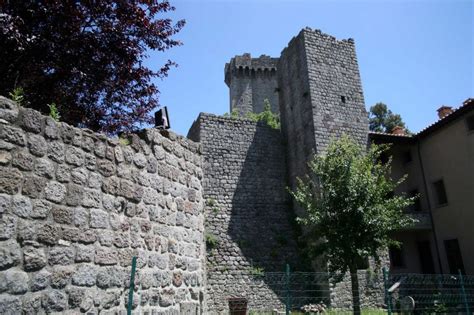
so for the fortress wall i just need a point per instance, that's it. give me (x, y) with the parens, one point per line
(76, 206)
(247, 209)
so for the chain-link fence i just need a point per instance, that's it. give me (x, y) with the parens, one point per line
(258, 292)
(429, 294)
(379, 293)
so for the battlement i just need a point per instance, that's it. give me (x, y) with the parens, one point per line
(318, 34)
(247, 65)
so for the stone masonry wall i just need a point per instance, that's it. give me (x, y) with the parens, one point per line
(76, 206)
(247, 210)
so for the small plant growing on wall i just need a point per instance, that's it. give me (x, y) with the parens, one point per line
(17, 95)
(267, 116)
(257, 271)
(211, 241)
(54, 111)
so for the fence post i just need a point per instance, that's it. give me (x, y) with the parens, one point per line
(463, 290)
(287, 306)
(132, 286)
(388, 299)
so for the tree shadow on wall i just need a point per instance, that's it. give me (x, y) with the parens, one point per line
(262, 228)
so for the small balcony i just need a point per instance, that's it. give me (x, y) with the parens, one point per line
(423, 220)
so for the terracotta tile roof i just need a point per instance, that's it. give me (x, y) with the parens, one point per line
(467, 106)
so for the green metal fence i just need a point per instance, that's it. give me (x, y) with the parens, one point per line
(291, 292)
(428, 294)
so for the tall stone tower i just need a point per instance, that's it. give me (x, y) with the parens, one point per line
(251, 81)
(320, 96)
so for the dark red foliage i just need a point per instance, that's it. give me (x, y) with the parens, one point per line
(87, 57)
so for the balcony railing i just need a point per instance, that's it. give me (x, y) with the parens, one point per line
(423, 220)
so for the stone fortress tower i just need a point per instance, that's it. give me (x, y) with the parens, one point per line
(316, 89)
(251, 81)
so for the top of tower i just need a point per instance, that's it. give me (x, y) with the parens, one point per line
(246, 61)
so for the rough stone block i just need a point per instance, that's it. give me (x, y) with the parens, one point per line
(17, 281)
(54, 301)
(31, 120)
(85, 275)
(55, 191)
(37, 145)
(61, 255)
(21, 206)
(99, 219)
(106, 256)
(61, 276)
(40, 280)
(34, 258)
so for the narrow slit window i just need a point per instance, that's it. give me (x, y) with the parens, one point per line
(440, 193)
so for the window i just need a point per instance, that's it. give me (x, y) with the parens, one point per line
(453, 253)
(396, 256)
(440, 193)
(470, 123)
(407, 157)
(416, 206)
(343, 99)
(426, 259)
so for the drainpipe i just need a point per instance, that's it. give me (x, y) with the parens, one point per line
(429, 206)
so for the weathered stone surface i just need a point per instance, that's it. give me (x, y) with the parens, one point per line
(106, 256)
(21, 206)
(8, 109)
(7, 227)
(44, 168)
(33, 186)
(55, 191)
(91, 198)
(74, 156)
(72, 218)
(84, 253)
(37, 145)
(12, 135)
(48, 233)
(26, 231)
(40, 280)
(61, 276)
(54, 301)
(34, 258)
(31, 120)
(85, 276)
(74, 195)
(17, 281)
(56, 151)
(41, 209)
(10, 254)
(10, 304)
(99, 219)
(10, 181)
(62, 215)
(61, 255)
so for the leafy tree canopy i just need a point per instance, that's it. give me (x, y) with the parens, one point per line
(86, 57)
(382, 119)
(350, 209)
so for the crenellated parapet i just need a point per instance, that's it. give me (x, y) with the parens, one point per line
(251, 81)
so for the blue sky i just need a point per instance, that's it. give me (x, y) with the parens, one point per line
(413, 55)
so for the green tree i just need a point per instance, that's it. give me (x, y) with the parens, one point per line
(382, 119)
(267, 116)
(350, 209)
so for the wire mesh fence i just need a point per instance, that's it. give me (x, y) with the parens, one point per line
(318, 293)
(430, 294)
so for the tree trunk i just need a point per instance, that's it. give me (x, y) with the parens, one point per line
(355, 291)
